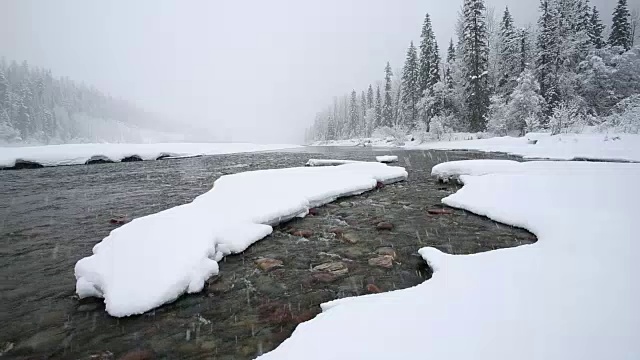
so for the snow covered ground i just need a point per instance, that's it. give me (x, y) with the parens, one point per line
(154, 259)
(571, 295)
(73, 154)
(619, 147)
(590, 146)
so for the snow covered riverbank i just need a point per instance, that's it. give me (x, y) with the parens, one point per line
(570, 295)
(75, 154)
(587, 146)
(154, 259)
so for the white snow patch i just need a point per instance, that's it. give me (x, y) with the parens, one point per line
(616, 147)
(387, 158)
(74, 154)
(571, 295)
(154, 259)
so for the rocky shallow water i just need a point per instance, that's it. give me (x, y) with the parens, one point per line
(51, 217)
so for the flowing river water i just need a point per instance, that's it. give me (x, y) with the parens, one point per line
(51, 217)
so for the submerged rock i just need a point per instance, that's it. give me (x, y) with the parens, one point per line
(335, 267)
(266, 264)
(384, 226)
(384, 261)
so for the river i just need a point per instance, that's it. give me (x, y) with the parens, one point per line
(51, 217)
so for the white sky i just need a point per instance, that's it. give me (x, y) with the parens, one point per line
(249, 70)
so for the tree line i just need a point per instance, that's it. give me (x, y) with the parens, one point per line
(497, 77)
(37, 108)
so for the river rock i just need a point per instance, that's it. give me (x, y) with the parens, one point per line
(439, 211)
(303, 233)
(384, 226)
(266, 264)
(387, 251)
(313, 212)
(138, 355)
(351, 238)
(384, 261)
(323, 277)
(337, 268)
(337, 231)
(373, 289)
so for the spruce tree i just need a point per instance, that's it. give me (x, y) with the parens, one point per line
(434, 74)
(548, 49)
(387, 108)
(353, 116)
(370, 97)
(410, 87)
(475, 64)
(620, 28)
(378, 108)
(363, 115)
(509, 62)
(451, 57)
(427, 51)
(524, 50)
(595, 29)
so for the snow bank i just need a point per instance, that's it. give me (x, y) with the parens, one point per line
(329, 162)
(154, 259)
(74, 154)
(620, 147)
(571, 295)
(386, 158)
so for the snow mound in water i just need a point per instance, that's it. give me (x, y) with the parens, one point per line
(76, 154)
(387, 158)
(571, 295)
(154, 259)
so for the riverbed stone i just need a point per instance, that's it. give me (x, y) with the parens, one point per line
(383, 261)
(266, 264)
(337, 268)
(373, 289)
(439, 211)
(350, 237)
(387, 251)
(138, 355)
(384, 225)
(303, 233)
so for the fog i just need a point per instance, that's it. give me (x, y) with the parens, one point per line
(246, 70)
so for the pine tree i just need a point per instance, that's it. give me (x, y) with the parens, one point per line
(548, 50)
(451, 57)
(363, 115)
(370, 97)
(621, 28)
(378, 109)
(475, 64)
(434, 74)
(410, 87)
(427, 51)
(525, 50)
(509, 62)
(387, 108)
(353, 116)
(595, 29)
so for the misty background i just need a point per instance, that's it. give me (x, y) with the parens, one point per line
(252, 71)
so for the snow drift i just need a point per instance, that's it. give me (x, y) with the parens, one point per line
(75, 154)
(571, 295)
(154, 259)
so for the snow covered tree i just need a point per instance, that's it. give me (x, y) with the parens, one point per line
(354, 117)
(363, 126)
(509, 55)
(387, 107)
(620, 28)
(548, 49)
(475, 64)
(410, 88)
(451, 58)
(370, 97)
(378, 108)
(427, 50)
(595, 29)
(525, 105)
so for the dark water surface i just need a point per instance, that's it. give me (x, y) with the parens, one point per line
(51, 217)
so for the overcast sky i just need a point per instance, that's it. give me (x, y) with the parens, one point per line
(250, 70)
